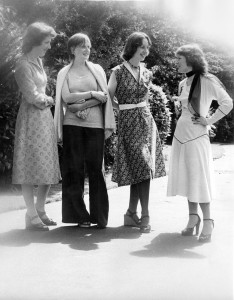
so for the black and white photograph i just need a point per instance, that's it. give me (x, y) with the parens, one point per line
(116, 149)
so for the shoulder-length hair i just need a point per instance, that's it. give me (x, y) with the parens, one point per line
(78, 39)
(35, 34)
(195, 57)
(134, 41)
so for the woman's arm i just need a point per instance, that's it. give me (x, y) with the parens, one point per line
(71, 98)
(112, 84)
(25, 82)
(79, 97)
(77, 107)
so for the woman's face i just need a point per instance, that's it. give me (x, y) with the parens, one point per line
(83, 51)
(41, 49)
(182, 64)
(142, 51)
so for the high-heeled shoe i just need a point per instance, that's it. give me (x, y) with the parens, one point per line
(144, 224)
(34, 226)
(131, 219)
(206, 238)
(45, 219)
(188, 231)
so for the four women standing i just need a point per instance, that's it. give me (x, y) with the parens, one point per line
(84, 118)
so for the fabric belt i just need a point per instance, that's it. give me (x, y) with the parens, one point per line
(131, 106)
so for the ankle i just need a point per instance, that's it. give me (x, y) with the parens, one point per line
(208, 226)
(193, 220)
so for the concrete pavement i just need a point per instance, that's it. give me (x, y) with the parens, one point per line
(120, 263)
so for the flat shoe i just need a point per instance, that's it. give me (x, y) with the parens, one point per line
(84, 224)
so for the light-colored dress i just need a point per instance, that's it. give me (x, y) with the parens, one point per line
(35, 158)
(191, 163)
(139, 152)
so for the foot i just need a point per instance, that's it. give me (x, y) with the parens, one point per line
(144, 224)
(35, 223)
(86, 224)
(131, 219)
(194, 221)
(208, 226)
(45, 219)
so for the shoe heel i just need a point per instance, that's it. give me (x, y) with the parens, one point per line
(198, 226)
(189, 231)
(131, 219)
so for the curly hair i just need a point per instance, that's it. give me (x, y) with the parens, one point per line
(74, 41)
(35, 34)
(134, 41)
(195, 57)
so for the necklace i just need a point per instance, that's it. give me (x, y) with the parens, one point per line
(134, 67)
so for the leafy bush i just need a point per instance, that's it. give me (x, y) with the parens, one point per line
(160, 111)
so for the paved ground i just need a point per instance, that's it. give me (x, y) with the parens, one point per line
(119, 263)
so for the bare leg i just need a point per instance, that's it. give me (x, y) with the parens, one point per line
(27, 191)
(193, 211)
(42, 193)
(143, 189)
(207, 225)
(131, 218)
(134, 198)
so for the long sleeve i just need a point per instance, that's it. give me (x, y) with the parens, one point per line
(224, 100)
(27, 86)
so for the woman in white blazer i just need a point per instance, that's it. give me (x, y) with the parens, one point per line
(83, 119)
(190, 171)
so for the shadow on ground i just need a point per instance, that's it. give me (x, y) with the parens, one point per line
(77, 238)
(171, 245)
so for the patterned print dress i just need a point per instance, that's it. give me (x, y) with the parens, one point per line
(35, 150)
(139, 152)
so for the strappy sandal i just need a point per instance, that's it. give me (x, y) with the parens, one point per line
(45, 219)
(131, 219)
(29, 225)
(206, 238)
(188, 231)
(144, 224)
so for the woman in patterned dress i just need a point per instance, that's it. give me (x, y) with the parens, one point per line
(35, 159)
(139, 153)
(190, 171)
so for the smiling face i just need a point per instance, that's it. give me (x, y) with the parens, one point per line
(182, 64)
(82, 52)
(142, 51)
(40, 50)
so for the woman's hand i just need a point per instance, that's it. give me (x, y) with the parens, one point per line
(174, 98)
(79, 101)
(199, 120)
(50, 101)
(100, 96)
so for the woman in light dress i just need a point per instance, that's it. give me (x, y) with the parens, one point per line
(82, 94)
(35, 159)
(190, 171)
(139, 153)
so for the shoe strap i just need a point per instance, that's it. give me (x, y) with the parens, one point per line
(212, 221)
(130, 213)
